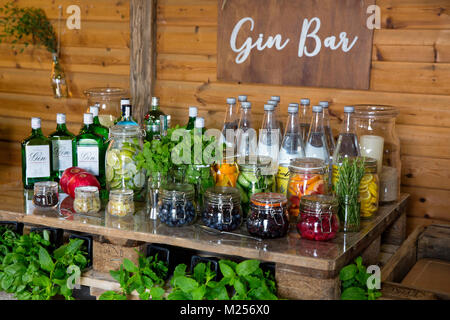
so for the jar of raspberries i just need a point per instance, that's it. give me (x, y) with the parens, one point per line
(268, 217)
(318, 218)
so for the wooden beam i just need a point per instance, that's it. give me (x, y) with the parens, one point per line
(142, 54)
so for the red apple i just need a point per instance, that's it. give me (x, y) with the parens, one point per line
(67, 175)
(82, 179)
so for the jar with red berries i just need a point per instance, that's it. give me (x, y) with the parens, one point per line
(268, 217)
(306, 176)
(318, 218)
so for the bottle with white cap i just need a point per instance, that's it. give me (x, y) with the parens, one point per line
(316, 144)
(327, 127)
(127, 116)
(193, 113)
(230, 123)
(292, 147)
(347, 143)
(98, 128)
(305, 118)
(276, 100)
(61, 147)
(36, 157)
(246, 136)
(152, 120)
(89, 150)
(269, 136)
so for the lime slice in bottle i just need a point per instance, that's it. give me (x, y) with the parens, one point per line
(139, 180)
(116, 184)
(112, 158)
(109, 173)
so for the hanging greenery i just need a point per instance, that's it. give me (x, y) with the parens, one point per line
(26, 25)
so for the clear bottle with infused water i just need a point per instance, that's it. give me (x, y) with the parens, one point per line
(347, 144)
(327, 127)
(246, 135)
(231, 122)
(269, 136)
(316, 144)
(305, 118)
(277, 99)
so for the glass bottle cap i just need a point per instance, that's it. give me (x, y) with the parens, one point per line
(242, 98)
(231, 100)
(317, 109)
(60, 118)
(293, 108)
(93, 110)
(275, 98)
(246, 105)
(124, 101)
(193, 112)
(324, 104)
(272, 102)
(35, 123)
(88, 118)
(349, 109)
(199, 123)
(269, 107)
(305, 102)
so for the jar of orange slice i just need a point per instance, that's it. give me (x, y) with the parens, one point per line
(306, 176)
(225, 172)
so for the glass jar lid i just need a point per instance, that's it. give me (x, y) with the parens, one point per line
(46, 186)
(268, 199)
(223, 195)
(375, 111)
(178, 191)
(86, 192)
(318, 203)
(105, 92)
(250, 163)
(121, 194)
(125, 131)
(307, 164)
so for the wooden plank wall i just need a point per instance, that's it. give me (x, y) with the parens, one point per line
(410, 70)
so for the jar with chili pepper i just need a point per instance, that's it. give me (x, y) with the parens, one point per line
(225, 172)
(268, 217)
(318, 218)
(308, 176)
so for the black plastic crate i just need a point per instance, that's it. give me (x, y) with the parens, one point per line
(15, 226)
(213, 261)
(56, 235)
(88, 244)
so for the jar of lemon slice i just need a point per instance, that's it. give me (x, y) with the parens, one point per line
(369, 189)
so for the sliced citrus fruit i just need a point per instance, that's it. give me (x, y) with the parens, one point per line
(366, 179)
(109, 173)
(111, 158)
(365, 196)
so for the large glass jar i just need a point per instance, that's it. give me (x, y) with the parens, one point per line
(225, 172)
(318, 218)
(268, 217)
(369, 189)
(222, 208)
(121, 167)
(376, 131)
(177, 206)
(109, 100)
(254, 177)
(307, 176)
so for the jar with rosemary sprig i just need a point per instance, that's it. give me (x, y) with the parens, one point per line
(346, 188)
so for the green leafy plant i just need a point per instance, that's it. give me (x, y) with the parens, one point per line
(146, 278)
(347, 191)
(26, 25)
(29, 271)
(354, 282)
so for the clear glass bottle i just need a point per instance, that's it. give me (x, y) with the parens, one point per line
(327, 127)
(231, 122)
(347, 144)
(36, 160)
(305, 118)
(277, 99)
(89, 150)
(59, 83)
(109, 101)
(61, 147)
(246, 135)
(98, 128)
(269, 136)
(152, 120)
(193, 113)
(316, 145)
(222, 209)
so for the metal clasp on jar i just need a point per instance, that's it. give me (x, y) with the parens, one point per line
(175, 202)
(274, 214)
(330, 217)
(221, 215)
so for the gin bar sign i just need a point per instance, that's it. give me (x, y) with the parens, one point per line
(320, 43)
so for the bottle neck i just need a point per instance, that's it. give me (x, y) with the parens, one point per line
(61, 127)
(154, 107)
(87, 127)
(269, 120)
(292, 123)
(348, 126)
(304, 113)
(326, 117)
(96, 120)
(317, 122)
(245, 120)
(36, 132)
(230, 115)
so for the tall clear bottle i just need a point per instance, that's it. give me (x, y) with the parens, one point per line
(89, 150)
(246, 135)
(316, 144)
(61, 140)
(305, 118)
(269, 136)
(193, 113)
(36, 159)
(292, 147)
(277, 99)
(230, 123)
(98, 128)
(327, 127)
(347, 143)
(152, 120)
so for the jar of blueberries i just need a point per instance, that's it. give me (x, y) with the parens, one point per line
(177, 205)
(268, 217)
(222, 208)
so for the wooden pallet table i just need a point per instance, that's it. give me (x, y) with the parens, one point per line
(304, 269)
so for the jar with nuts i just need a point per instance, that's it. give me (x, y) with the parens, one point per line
(86, 200)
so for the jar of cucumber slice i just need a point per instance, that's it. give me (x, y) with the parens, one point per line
(121, 170)
(255, 176)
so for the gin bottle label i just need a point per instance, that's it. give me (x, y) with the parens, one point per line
(62, 154)
(88, 159)
(37, 161)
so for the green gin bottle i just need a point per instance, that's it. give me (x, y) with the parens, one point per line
(193, 112)
(98, 128)
(152, 120)
(61, 139)
(36, 159)
(89, 150)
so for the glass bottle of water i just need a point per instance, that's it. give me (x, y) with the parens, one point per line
(347, 143)
(231, 123)
(316, 145)
(268, 144)
(327, 127)
(246, 134)
(275, 103)
(305, 118)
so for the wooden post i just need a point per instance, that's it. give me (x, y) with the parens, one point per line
(142, 54)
